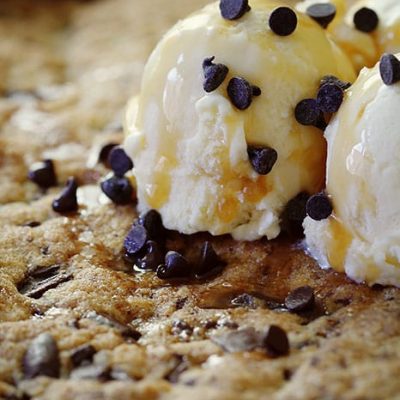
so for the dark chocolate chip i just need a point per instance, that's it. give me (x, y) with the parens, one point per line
(233, 9)
(42, 358)
(210, 263)
(119, 161)
(43, 174)
(307, 112)
(283, 21)
(152, 221)
(245, 339)
(214, 74)
(32, 224)
(330, 98)
(262, 159)
(42, 280)
(323, 13)
(333, 79)
(389, 68)
(276, 341)
(294, 213)
(256, 91)
(135, 240)
(153, 258)
(319, 207)
(176, 266)
(300, 299)
(67, 201)
(119, 190)
(91, 372)
(240, 93)
(105, 153)
(82, 354)
(130, 334)
(366, 20)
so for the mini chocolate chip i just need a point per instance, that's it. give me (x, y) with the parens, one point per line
(214, 74)
(91, 372)
(262, 159)
(307, 112)
(294, 213)
(300, 299)
(210, 263)
(333, 79)
(42, 280)
(256, 91)
(319, 207)
(153, 258)
(135, 240)
(152, 221)
(43, 174)
(366, 20)
(119, 161)
(82, 354)
(119, 190)
(283, 21)
(389, 68)
(240, 93)
(32, 224)
(323, 13)
(42, 358)
(67, 201)
(105, 153)
(276, 341)
(233, 9)
(176, 266)
(245, 339)
(330, 98)
(130, 334)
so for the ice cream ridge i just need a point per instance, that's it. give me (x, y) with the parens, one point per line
(362, 236)
(228, 128)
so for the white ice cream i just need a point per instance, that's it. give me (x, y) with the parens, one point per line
(362, 237)
(189, 147)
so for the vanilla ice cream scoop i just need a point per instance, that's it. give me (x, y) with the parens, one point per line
(362, 236)
(364, 29)
(213, 137)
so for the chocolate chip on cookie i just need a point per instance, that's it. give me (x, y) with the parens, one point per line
(43, 279)
(209, 264)
(300, 299)
(117, 189)
(175, 266)
(82, 354)
(67, 201)
(136, 239)
(276, 341)
(42, 358)
(43, 174)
